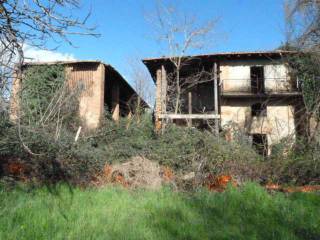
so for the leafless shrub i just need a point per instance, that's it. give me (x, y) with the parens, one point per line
(142, 81)
(181, 35)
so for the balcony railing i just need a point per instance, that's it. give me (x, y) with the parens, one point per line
(260, 86)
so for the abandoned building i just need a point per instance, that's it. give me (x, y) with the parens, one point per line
(104, 89)
(253, 92)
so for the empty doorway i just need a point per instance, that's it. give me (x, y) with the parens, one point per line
(260, 143)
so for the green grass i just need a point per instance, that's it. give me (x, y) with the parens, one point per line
(115, 213)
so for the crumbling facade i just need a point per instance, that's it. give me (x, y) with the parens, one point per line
(104, 89)
(250, 92)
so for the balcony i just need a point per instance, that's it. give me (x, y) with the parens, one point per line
(259, 87)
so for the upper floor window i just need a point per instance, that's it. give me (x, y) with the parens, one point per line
(257, 79)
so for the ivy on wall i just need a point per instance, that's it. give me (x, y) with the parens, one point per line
(45, 96)
(306, 68)
(39, 87)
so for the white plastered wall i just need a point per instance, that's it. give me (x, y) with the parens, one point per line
(277, 125)
(235, 75)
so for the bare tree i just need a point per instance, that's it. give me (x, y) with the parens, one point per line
(33, 23)
(142, 81)
(303, 24)
(303, 36)
(181, 35)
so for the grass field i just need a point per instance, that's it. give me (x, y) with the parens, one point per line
(115, 213)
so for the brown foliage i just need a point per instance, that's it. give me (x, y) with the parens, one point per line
(15, 168)
(118, 178)
(306, 188)
(167, 174)
(219, 183)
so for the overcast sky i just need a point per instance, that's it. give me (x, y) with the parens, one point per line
(244, 25)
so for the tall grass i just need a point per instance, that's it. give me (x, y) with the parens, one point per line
(114, 213)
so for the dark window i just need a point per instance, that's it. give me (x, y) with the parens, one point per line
(257, 79)
(260, 143)
(259, 110)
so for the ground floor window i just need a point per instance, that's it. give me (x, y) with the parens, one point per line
(260, 143)
(259, 110)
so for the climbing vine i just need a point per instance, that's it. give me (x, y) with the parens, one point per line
(45, 96)
(306, 68)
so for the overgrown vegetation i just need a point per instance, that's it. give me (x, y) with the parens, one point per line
(299, 166)
(46, 123)
(43, 87)
(43, 138)
(303, 34)
(308, 74)
(112, 213)
(43, 141)
(184, 150)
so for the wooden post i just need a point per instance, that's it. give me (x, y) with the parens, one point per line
(158, 101)
(78, 134)
(138, 110)
(102, 75)
(115, 102)
(189, 108)
(161, 93)
(216, 104)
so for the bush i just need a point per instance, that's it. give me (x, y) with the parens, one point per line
(301, 165)
(44, 132)
(183, 149)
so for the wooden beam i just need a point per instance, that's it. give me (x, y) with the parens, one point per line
(115, 103)
(163, 95)
(163, 89)
(158, 124)
(190, 108)
(189, 116)
(216, 103)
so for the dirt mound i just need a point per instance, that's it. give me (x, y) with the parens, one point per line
(137, 172)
